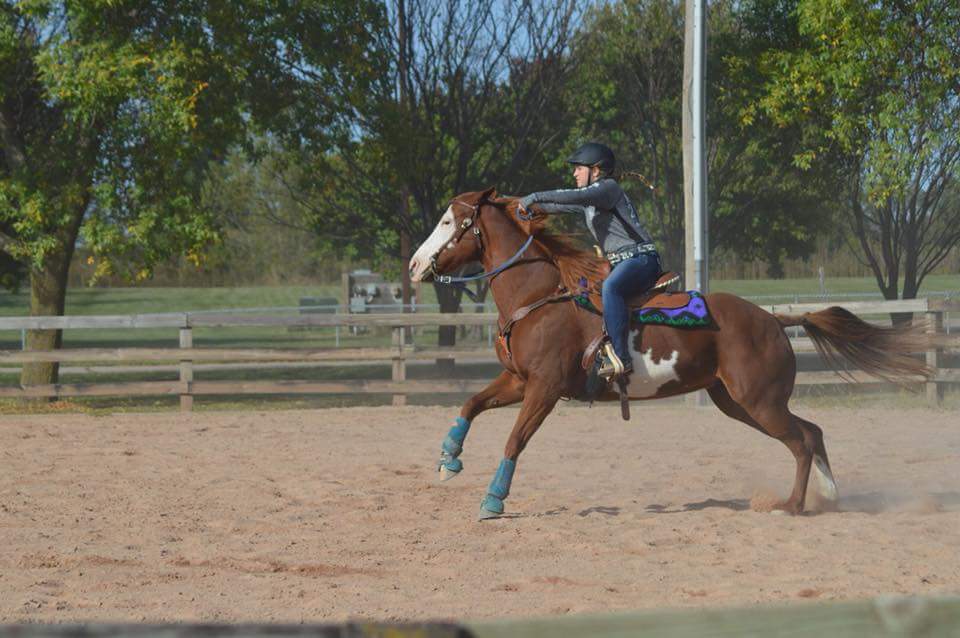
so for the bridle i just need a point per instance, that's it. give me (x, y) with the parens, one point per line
(465, 225)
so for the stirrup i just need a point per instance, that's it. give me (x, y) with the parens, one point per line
(612, 365)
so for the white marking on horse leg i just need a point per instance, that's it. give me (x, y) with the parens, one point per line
(649, 376)
(442, 234)
(823, 482)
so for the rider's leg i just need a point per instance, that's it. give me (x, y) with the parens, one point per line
(629, 277)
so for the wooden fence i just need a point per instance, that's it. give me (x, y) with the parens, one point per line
(398, 354)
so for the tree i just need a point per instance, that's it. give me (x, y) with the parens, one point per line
(458, 71)
(467, 99)
(630, 61)
(112, 112)
(268, 230)
(876, 87)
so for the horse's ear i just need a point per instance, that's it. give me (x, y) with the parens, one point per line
(489, 194)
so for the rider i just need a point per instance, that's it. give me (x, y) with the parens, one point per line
(613, 221)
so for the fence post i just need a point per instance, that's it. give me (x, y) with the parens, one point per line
(399, 363)
(186, 371)
(934, 389)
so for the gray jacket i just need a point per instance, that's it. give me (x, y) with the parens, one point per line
(598, 204)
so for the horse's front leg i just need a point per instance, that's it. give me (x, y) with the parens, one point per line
(537, 404)
(506, 389)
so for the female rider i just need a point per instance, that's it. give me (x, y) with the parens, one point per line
(613, 221)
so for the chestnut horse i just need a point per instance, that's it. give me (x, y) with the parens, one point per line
(743, 358)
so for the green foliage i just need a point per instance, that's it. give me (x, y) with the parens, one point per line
(630, 70)
(875, 88)
(112, 113)
(270, 210)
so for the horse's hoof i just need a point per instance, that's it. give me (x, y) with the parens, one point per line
(786, 509)
(486, 514)
(491, 507)
(449, 467)
(446, 473)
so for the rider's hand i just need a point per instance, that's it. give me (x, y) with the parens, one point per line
(523, 207)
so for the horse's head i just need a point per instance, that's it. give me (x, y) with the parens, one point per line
(456, 239)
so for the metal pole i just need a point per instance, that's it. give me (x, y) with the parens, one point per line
(694, 156)
(694, 148)
(700, 248)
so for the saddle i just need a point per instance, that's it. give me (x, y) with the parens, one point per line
(656, 296)
(655, 306)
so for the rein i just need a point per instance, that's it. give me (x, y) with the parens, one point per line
(465, 225)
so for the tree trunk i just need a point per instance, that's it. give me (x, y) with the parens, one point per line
(911, 283)
(910, 289)
(48, 293)
(449, 300)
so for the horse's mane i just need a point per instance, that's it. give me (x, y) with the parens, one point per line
(573, 263)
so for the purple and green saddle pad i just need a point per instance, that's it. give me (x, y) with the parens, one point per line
(692, 315)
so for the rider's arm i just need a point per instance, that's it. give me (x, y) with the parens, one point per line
(552, 209)
(603, 195)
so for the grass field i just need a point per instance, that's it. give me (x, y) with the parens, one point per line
(122, 301)
(788, 288)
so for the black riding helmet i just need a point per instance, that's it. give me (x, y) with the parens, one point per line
(594, 154)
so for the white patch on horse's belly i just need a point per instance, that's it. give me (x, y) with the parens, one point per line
(648, 375)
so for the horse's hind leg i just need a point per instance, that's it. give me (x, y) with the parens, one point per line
(723, 400)
(803, 438)
(506, 389)
(778, 422)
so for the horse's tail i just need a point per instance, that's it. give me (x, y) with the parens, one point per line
(841, 337)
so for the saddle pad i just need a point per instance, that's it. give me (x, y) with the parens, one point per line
(684, 314)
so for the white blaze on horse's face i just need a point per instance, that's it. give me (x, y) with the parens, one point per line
(648, 375)
(440, 237)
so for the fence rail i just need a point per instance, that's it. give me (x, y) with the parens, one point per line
(397, 355)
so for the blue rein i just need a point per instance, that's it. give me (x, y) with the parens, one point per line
(459, 282)
(447, 279)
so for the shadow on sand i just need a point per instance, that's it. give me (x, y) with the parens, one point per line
(737, 505)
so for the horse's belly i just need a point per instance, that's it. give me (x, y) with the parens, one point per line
(650, 372)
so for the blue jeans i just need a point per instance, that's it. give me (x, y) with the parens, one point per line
(629, 277)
